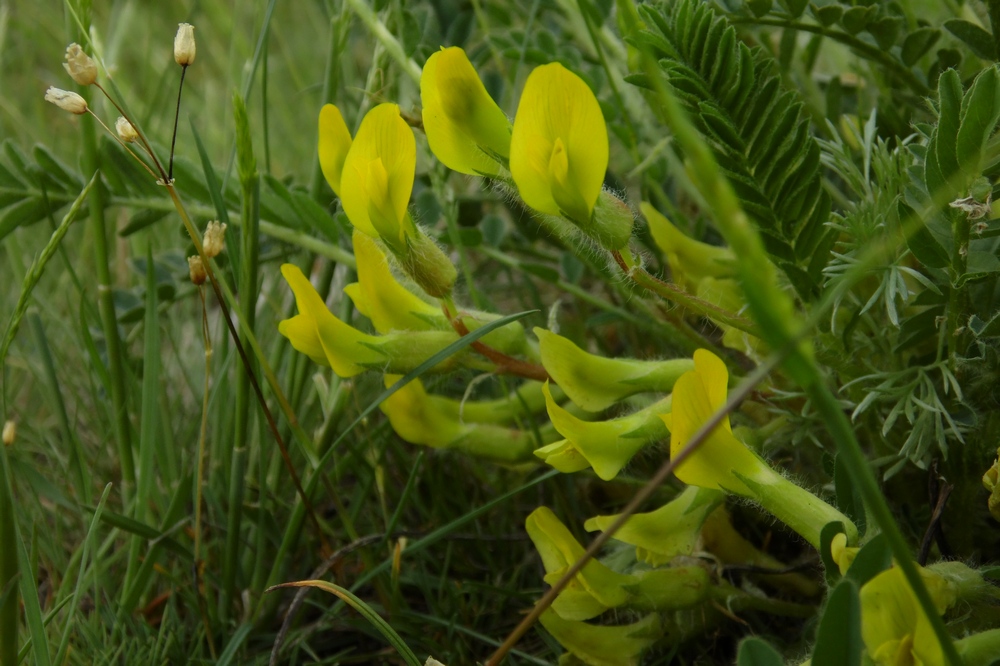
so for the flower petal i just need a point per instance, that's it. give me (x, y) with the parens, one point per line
(556, 104)
(334, 144)
(465, 128)
(383, 136)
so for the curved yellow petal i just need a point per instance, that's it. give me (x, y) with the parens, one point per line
(347, 350)
(563, 456)
(604, 645)
(301, 332)
(689, 260)
(334, 144)
(559, 144)
(378, 173)
(380, 297)
(413, 417)
(465, 128)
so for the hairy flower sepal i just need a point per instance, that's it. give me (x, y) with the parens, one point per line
(465, 128)
(594, 590)
(725, 463)
(333, 343)
(595, 383)
(607, 446)
(559, 155)
(429, 420)
(375, 187)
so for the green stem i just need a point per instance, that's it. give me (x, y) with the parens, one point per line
(9, 611)
(994, 9)
(386, 38)
(109, 321)
(775, 314)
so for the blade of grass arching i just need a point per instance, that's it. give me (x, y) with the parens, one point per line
(34, 273)
(235, 643)
(366, 611)
(295, 520)
(69, 436)
(774, 312)
(244, 417)
(405, 496)
(149, 422)
(147, 532)
(9, 609)
(74, 598)
(175, 517)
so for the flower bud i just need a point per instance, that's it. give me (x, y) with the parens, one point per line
(80, 66)
(66, 100)
(184, 46)
(215, 239)
(9, 432)
(197, 269)
(125, 129)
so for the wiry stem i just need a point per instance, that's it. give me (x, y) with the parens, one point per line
(138, 130)
(199, 584)
(177, 115)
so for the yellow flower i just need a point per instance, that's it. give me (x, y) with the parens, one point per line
(595, 383)
(438, 422)
(607, 446)
(671, 530)
(334, 144)
(689, 260)
(559, 144)
(378, 296)
(594, 590)
(725, 463)
(841, 553)
(465, 128)
(895, 629)
(328, 341)
(377, 176)
(598, 645)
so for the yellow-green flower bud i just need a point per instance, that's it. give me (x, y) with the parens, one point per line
(673, 529)
(596, 383)
(604, 645)
(559, 144)
(594, 590)
(465, 128)
(80, 66)
(607, 446)
(9, 432)
(690, 261)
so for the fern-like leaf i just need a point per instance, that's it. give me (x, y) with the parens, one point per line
(757, 130)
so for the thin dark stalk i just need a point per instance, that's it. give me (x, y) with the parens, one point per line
(177, 115)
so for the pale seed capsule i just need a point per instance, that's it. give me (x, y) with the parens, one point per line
(9, 432)
(80, 66)
(184, 46)
(215, 239)
(197, 269)
(66, 100)
(126, 132)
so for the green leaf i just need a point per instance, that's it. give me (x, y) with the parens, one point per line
(141, 220)
(978, 40)
(885, 31)
(922, 242)
(759, 7)
(917, 43)
(856, 19)
(980, 112)
(365, 610)
(827, 15)
(758, 652)
(795, 7)
(838, 638)
(873, 558)
(950, 103)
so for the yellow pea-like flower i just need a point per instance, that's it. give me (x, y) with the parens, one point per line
(725, 463)
(465, 128)
(334, 144)
(690, 261)
(604, 645)
(377, 177)
(559, 144)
